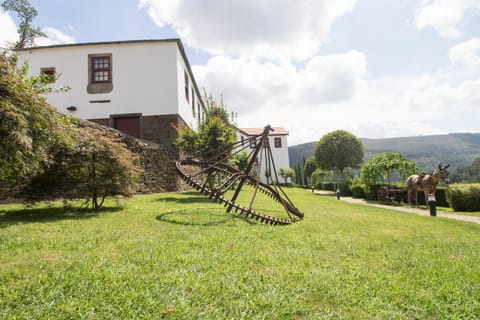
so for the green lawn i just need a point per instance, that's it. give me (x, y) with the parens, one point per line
(179, 256)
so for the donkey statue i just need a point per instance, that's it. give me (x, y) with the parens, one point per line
(426, 183)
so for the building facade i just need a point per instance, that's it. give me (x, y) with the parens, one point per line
(144, 88)
(277, 140)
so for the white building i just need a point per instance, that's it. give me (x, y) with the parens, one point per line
(145, 88)
(277, 140)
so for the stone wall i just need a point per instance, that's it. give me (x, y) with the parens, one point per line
(159, 128)
(158, 161)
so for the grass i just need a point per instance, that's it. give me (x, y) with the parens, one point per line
(179, 256)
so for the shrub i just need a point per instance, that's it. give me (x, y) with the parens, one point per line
(464, 197)
(95, 167)
(358, 191)
(440, 197)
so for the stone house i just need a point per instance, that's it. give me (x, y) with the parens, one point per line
(144, 88)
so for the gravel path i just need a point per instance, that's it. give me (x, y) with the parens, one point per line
(421, 212)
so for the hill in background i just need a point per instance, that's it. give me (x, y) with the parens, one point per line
(458, 149)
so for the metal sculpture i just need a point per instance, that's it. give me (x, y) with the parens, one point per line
(223, 183)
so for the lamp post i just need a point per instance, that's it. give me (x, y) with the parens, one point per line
(432, 204)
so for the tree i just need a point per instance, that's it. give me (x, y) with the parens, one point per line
(215, 135)
(97, 166)
(241, 160)
(321, 176)
(309, 167)
(298, 174)
(29, 126)
(468, 174)
(383, 166)
(286, 174)
(338, 150)
(26, 13)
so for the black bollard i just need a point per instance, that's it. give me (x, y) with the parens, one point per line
(338, 194)
(432, 204)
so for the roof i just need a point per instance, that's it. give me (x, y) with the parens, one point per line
(277, 131)
(103, 43)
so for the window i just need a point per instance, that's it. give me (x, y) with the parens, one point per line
(193, 103)
(186, 86)
(278, 142)
(253, 142)
(101, 69)
(100, 73)
(50, 73)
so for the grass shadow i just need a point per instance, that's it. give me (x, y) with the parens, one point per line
(9, 217)
(186, 197)
(188, 218)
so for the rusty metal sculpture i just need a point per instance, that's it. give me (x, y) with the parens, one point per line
(223, 183)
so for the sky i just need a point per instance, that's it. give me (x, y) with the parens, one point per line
(376, 68)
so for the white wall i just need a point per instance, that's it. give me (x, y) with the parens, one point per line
(280, 155)
(145, 77)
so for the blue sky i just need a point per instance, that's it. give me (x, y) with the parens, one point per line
(373, 67)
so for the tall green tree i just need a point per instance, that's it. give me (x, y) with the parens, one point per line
(26, 30)
(338, 150)
(309, 167)
(29, 126)
(383, 166)
(298, 174)
(286, 174)
(215, 134)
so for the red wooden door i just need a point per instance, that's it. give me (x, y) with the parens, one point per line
(129, 125)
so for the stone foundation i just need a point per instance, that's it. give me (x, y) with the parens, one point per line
(159, 128)
(157, 161)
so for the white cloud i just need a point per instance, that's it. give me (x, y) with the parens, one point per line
(272, 29)
(9, 34)
(444, 16)
(335, 92)
(280, 94)
(54, 36)
(247, 84)
(466, 53)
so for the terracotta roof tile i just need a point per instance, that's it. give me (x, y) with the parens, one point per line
(277, 131)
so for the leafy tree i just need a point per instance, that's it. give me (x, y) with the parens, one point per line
(286, 173)
(467, 174)
(26, 13)
(309, 167)
(320, 176)
(383, 166)
(304, 176)
(338, 150)
(215, 135)
(298, 174)
(241, 160)
(29, 127)
(95, 167)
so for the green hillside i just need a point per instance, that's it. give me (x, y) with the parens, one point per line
(458, 149)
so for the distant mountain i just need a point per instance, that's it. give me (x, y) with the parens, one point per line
(458, 149)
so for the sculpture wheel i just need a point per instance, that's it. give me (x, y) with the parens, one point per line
(243, 191)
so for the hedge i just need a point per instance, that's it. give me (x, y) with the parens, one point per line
(464, 197)
(440, 194)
